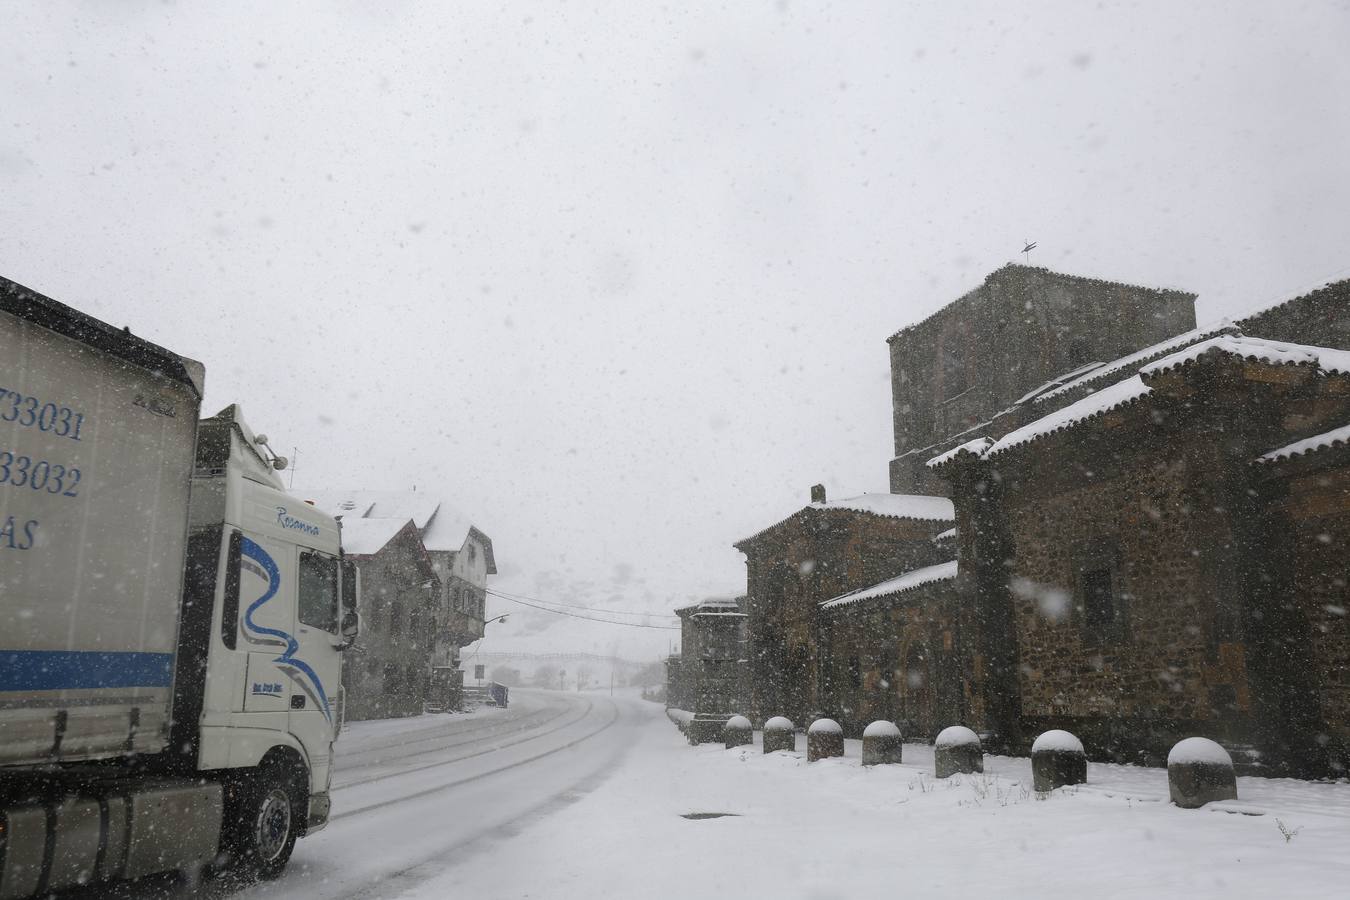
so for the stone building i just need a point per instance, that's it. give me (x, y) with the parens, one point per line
(461, 556)
(895, 653)
(1151, 530)
(1150, 561)
(1023, 326)
(387, 672)
(825, 549)
(710, 677)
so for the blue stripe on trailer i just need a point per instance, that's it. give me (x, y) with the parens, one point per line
(71, 670)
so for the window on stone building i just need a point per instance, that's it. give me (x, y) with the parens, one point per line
(854, 672)
(1102, 613)
(395, 617)
(954, 376)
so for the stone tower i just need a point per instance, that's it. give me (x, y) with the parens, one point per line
(985, 350)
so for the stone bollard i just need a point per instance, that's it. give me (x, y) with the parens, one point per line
(1057, 759)
(738, 732)
(779, 734)
(1198, 772)
(824, 739)
(881, 744)
(705, 729)
(957, 751)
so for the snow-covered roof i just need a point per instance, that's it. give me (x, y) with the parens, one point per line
(948, 535)
(1276, 353)
(404, 505)
(906, 582)
(976, 447)
(718, 606)
(1336, 437)
(1324, 359)
(1058, 381)
(1090, 407)
(921, 507)
(1290, 297)
(443, 526)
(364, 537)
(1137, 358)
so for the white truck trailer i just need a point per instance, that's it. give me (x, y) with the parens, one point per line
(171, 620)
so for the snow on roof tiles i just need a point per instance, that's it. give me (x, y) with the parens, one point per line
(443, 526)
(891, 506)
(1277, 353)
(1325, 359)
(906, 582)
(1090, 407)
(897, 506)
(976, 447)
(364, 537)
(1139, 357)
(1336, 437)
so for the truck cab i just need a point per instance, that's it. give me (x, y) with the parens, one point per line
(272, 675)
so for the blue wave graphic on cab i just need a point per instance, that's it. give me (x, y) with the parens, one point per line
(297, 668)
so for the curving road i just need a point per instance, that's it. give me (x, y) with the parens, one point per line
(412, 798)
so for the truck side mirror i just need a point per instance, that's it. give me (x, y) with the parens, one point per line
(350, 625)
(351, 628)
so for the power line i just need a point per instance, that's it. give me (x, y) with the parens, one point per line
(560, 612)
(505, 595)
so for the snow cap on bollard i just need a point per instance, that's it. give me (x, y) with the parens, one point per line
(824, 739)
(1057, 759)
(738, 732)
(957, 751)
(881, 744)
(1200, 771)
(779, 734)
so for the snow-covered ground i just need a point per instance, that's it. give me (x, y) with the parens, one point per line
(833, 829)
(583, 796)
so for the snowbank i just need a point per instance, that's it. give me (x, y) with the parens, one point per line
(1199, 750)
(956, 736)
(1057, 740)
(881, 728)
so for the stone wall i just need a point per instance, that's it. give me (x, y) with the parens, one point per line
(387, 673)
(794, 567)
(898, 659)
(1162, 660)
(1319, 508)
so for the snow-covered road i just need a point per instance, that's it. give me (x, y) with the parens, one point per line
(414, 797)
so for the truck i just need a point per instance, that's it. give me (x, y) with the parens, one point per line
(172, 621)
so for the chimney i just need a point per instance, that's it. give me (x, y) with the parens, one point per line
(817, 493)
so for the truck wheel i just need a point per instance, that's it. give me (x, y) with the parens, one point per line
(268, 823)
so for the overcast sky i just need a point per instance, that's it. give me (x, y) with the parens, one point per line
(617, 278)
